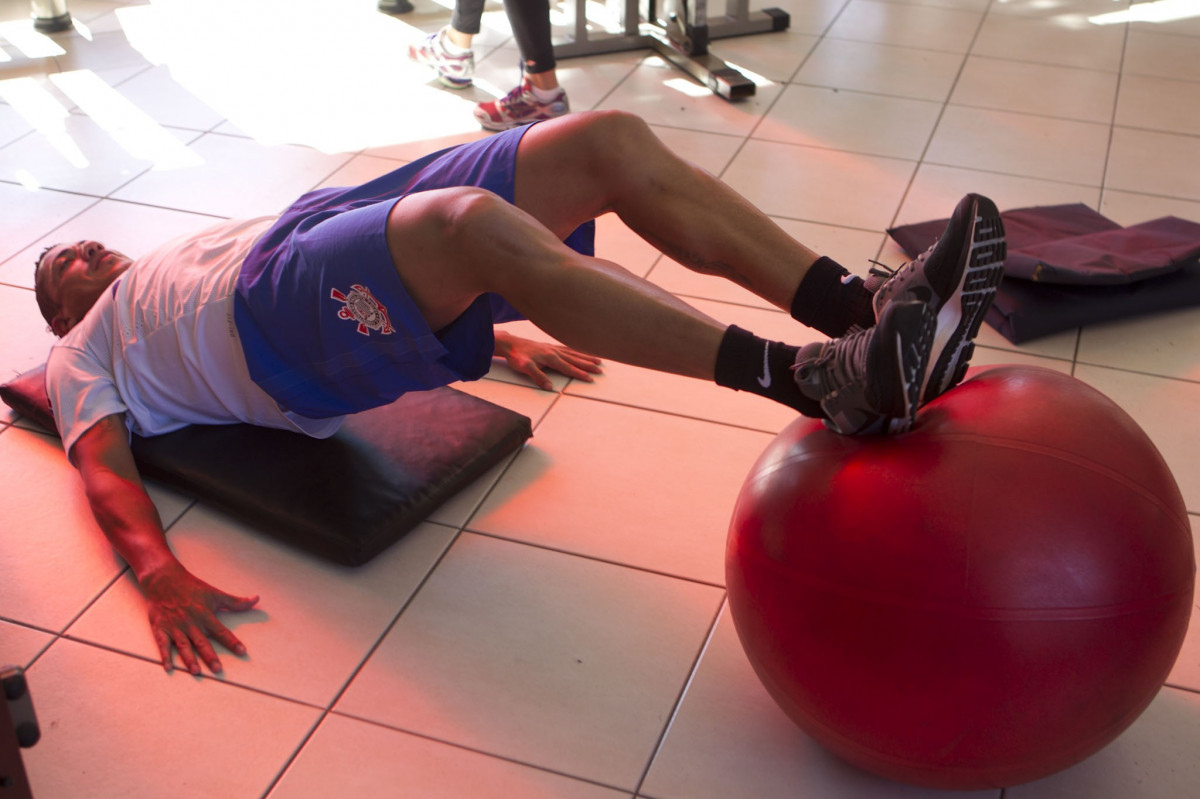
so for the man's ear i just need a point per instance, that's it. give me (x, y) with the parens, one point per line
(60, 325)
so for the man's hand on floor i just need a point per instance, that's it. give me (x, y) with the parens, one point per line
(533, 358)
(183, 613)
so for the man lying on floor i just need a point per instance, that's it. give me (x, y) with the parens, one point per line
(355, 296)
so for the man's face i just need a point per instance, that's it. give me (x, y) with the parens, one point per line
(75, 275)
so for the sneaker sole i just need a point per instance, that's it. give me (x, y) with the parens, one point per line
(960, 317)
(914, 342)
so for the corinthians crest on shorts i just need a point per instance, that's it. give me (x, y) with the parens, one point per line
(361, 306)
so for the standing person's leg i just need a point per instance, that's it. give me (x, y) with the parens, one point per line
(448, 50)
(538, 96)
(530, 22)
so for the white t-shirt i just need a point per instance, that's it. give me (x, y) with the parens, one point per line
(161, 346)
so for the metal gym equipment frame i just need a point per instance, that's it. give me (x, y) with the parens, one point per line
(50, 16)
(680, 35)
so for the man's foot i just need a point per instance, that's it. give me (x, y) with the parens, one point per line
(957, 277)
(520, 107)
(454, 70)
(869, 381)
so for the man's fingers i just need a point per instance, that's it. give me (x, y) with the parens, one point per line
(584, 361)
(204, 649)
(184, 646)
(226, 638)
(578, 372)
(234, 603)
(163, 641)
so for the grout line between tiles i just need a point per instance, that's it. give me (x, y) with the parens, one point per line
(676, 415)
(921, 161)
(1112, 126)
(593, 558)
(687, 684)
(474, 750)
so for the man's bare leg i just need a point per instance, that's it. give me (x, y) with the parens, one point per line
(576, 168)
(452, 245)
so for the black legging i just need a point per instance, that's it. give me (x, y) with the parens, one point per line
(530, 21)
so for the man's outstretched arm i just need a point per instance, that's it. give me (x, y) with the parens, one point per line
(182, 608)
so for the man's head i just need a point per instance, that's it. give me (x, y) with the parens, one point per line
(69, 278)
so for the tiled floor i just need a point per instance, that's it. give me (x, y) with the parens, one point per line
(560, 629)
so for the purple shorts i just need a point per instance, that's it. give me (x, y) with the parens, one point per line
(325, 323)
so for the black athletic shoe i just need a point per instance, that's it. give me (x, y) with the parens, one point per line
(957, 277)
(869, 381)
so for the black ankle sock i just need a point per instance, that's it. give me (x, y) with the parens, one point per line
(832, 300)
(746, 362)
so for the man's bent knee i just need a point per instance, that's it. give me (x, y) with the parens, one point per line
(433, 237)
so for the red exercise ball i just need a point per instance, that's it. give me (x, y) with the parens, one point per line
(981, 602)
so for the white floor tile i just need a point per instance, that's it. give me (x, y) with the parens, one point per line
(1050, 41)
(624, 485)
(1160, 344)
(54, 558)
(817, 185)
(1161, 55)
(1186, 673)
(710, 151)
(993, 356)
(1166, 410)
(1151, 163)
(178, 736)
(28, 214)
(774, 56)
(872, 124)
(902, 25)
(616, 242)
(361, 169)
(1064, 12)
(1019, 144)
(83, 156)
(218, 185)
(314, 623)
(731, 739)
(1164, 104)
(347, 757)
(158, 93)
(1127, 208)
(697, 399)
(25, 337)
(1081, 94)
(587, 80)
(883, 69)
(937, 189)
(810, 16)
(556, 661)
(664, 95)
(12, 125)
(104, 50)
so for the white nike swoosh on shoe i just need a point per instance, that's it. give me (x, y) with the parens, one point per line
(765, 380)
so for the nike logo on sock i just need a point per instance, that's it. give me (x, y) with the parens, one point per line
(765, 380)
